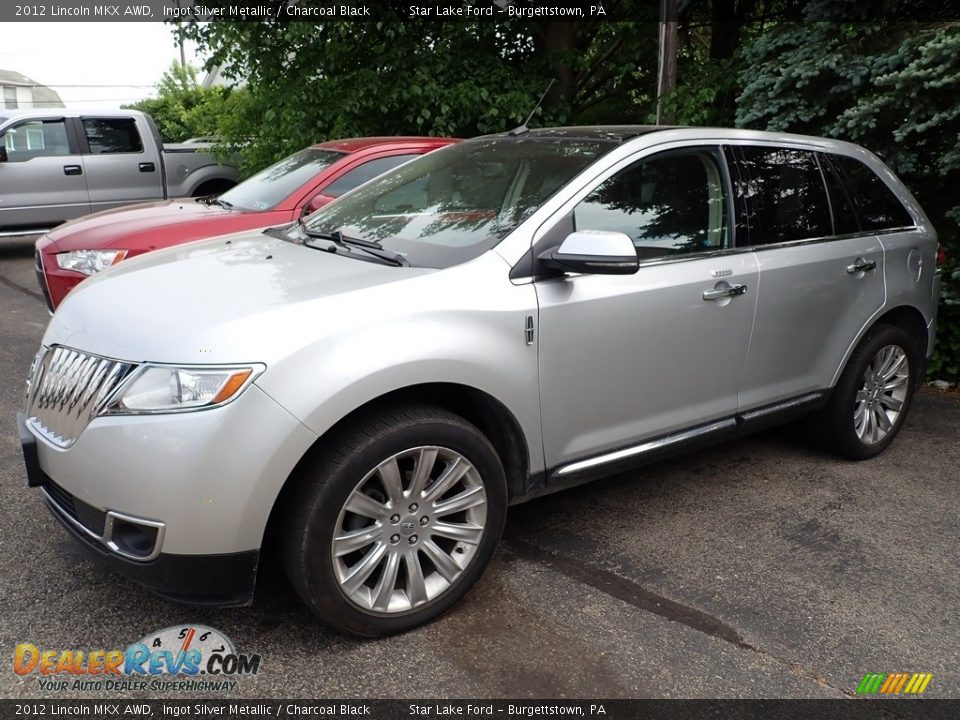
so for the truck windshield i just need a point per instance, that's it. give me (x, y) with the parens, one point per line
(268, 187)
(453, 204)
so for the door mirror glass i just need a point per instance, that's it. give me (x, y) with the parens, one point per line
(599, 252)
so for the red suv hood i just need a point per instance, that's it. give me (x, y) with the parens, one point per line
(153, 225)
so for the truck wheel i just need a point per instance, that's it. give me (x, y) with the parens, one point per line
(395, 520)
(872, 397)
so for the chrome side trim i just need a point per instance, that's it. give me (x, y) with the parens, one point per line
(23, 233)
(779, 407)
(107, 537)
(643, 448)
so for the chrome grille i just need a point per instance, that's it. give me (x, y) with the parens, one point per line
(68, 389)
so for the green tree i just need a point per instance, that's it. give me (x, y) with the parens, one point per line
(313, 81)
(891, 87)
(183, 108)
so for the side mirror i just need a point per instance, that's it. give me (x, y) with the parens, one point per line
(598, 252)
(315, 203)
(3, 151)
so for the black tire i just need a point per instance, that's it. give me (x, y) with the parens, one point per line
(329, 477)
(834, 426)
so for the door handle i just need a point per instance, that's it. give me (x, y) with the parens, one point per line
(860, 265)
(72, 170)
(147, 167)
(719, 293)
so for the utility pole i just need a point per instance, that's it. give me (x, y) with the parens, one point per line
(667, 65)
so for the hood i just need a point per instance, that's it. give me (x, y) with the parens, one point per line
(109, 228)
(234, 299)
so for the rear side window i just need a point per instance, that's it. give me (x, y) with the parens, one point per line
(786, 195)
(877, 207)
(112, 135)
(369, 170)
(844, 216)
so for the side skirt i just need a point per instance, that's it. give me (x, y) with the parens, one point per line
(620, 460)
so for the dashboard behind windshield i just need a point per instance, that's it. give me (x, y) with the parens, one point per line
(455, 203)
(267, 188)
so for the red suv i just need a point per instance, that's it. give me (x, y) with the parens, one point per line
(285, 191)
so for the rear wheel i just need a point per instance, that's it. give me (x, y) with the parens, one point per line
(872, 398)
(396, 520)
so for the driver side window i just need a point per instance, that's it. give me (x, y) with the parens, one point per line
(669, 204)
(36, 138)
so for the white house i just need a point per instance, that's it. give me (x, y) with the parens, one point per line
(19, 91)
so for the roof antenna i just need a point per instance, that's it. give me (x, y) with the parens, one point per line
(523, 128)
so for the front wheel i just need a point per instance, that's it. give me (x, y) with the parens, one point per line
(396, 521)
(872, 397)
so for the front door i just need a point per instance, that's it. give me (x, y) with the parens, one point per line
(625, 358)
(43, 182)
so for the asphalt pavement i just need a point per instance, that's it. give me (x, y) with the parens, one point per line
(759, 568)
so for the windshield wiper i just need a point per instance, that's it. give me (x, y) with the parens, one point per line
(370, 247)
(221, 203)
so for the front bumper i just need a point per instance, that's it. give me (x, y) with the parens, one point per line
(197, 486)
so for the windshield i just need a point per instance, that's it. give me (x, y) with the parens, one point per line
(268, 187)
(453, 204)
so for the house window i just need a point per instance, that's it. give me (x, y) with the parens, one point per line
(10, 97)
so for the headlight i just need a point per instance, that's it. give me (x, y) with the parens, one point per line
(163, 389)
(89, 262)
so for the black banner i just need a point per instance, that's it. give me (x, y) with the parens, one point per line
(858, 709)
(186, 11)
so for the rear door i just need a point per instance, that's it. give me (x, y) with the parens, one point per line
(42, 183)
(821, 277)
(122, 165)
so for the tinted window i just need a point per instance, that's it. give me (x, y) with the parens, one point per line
(787, 198)
(455, 203)
(359, 175)
(268, 187)
(36, 138)
(844, 216)
(112, 135)
(877, 206)
(668, 204)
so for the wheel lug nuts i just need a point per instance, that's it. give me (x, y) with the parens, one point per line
(394, 519)
(424, 520)
(413, 507)
(394, 539)
(412, 540)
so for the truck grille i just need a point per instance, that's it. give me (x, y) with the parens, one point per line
(68, 389)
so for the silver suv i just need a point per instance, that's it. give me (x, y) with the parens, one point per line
(497, 320)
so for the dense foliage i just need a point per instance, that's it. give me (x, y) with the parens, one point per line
(184, 109)
(891, 86)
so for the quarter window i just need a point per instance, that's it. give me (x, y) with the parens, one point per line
(112, 135)
(36, 138)
(786, 195)
(877, 207)
(669, 204)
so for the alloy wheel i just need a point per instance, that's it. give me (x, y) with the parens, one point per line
(882, 394)
(409, 529)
